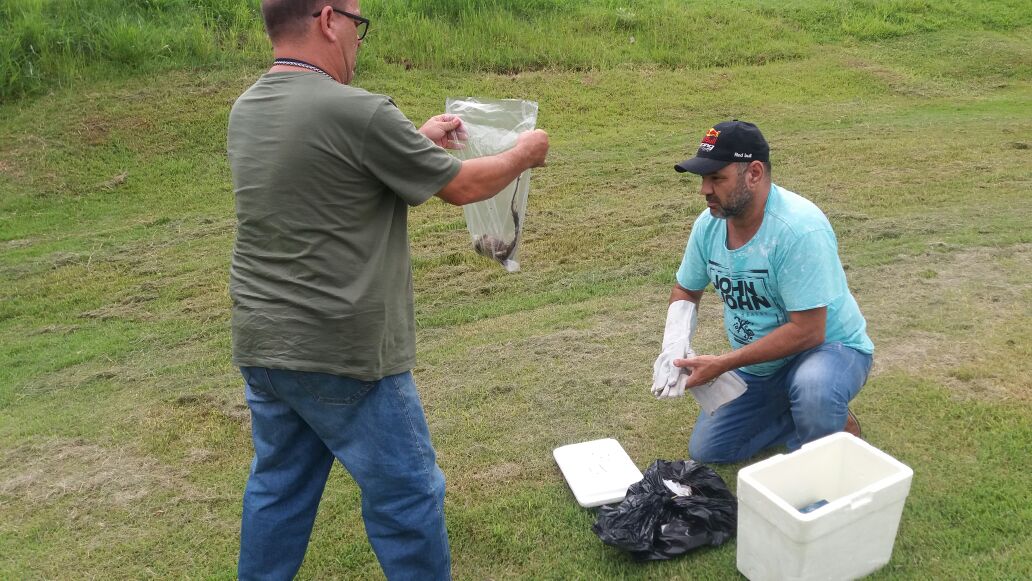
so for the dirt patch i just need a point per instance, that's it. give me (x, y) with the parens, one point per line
(894, 80)
(55, 329)
(20, 243)
(200, 456)
(153, 366)
(499, 473)
(130, 308)
(231, 407)
(207, 307)
(954, 317)
(9, 168)
(94, 131)
(47, 470)
(82, 375)
(114, 182)
(59, 259)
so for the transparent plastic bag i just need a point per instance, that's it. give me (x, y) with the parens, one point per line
(492, 126)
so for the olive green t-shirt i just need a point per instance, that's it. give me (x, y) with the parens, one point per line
(323, 176)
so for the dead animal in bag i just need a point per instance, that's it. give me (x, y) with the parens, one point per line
(492, 126)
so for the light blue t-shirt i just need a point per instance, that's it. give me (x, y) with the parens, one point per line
(790, 264)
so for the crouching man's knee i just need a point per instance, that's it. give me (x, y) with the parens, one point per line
(707, 452)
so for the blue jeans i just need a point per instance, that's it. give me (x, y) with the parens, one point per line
(300, 422)
(804, 400)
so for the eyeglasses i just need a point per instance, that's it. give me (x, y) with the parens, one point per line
(361, 23)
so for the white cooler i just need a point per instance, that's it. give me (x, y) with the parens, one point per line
(849, 537)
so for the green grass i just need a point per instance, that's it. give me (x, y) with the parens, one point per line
(47, 44)
(124, 441)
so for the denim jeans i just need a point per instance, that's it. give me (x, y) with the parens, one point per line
(300, 422)
(804, 400)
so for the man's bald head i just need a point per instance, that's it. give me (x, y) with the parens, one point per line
(292, 19)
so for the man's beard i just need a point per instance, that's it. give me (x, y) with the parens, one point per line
(737, 201)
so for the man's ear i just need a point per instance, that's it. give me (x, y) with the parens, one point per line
(326, 27)
(755, 172)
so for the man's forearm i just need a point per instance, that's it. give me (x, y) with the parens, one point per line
(679, 293)
(483, 177)
(788, 339)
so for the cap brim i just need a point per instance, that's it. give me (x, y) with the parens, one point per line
(701, 165)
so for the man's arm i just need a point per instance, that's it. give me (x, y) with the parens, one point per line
(804, 330)
(483, 177)
(679, 293)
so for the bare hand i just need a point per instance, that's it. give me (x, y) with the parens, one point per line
(445, 131)
(534, 145)
(701, 369)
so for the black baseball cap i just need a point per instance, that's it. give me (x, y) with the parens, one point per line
(726, 143)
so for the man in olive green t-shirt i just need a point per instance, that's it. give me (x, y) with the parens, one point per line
(321, 281)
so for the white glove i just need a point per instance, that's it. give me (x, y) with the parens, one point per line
(668, 381)
(677, 389)
(722, 390)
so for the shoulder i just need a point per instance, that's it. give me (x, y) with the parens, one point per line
(705, 229)
(362, 112)
(705, 223)
(359, 102)
(310, 96)
(793, 214)
(363, 97)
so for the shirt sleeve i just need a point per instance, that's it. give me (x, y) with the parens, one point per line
(692, 274)
(811, 273)
(404, 159)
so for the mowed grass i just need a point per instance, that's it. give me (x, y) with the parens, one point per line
(124, 440)
(48, 44)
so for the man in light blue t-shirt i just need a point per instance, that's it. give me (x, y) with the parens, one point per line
(799, 340)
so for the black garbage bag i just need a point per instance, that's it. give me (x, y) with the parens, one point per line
(654, 522)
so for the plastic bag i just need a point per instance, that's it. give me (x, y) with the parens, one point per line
(678, 506)
(492, 126)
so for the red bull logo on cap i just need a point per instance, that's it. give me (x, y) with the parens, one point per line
(709, 141)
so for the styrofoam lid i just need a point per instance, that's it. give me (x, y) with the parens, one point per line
(598, 472)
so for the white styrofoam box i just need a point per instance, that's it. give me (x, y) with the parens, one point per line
(847, 538)
(598, 472)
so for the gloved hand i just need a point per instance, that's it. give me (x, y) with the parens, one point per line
(668, 381)
(677, 388)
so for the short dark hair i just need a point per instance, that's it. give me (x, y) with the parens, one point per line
(286, 19)
(744, 164)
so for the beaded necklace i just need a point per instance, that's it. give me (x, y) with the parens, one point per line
(292, 62)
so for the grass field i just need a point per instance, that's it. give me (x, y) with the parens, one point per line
(124, 439)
